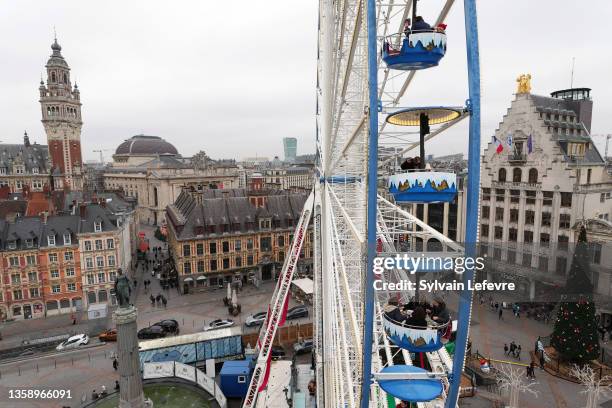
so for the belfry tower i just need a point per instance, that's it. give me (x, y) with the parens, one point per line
(61, 116)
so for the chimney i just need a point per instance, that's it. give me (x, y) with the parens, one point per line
(83, 211)
(45, 216)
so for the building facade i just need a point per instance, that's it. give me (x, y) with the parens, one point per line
(289, 178)
(290, 149)
(542, 178)
(217, 236)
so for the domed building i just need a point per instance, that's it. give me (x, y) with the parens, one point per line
(151, 170)
(141, 149)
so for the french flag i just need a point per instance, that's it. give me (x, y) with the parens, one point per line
(499, 145)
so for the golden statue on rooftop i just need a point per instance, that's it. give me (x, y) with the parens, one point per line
(524, 84)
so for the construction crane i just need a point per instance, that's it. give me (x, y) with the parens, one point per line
(101, 154)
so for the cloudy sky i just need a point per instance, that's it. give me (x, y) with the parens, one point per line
(234, 78)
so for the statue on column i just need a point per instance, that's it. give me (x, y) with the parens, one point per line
(122, 289)
(524, 84)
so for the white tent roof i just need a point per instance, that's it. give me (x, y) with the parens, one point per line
(305, 285)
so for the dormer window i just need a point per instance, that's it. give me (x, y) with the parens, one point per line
(19, 170)
(12, 245)
(34, 170)
(29, 243)
(98, 226)
(67, 240)
(51, 240)
(2, 170)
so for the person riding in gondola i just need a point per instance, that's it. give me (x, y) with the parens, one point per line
(439, 312)
(394, 313)
(420, 25)
(407, 27)
(417, 320)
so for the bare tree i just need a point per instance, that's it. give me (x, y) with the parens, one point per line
(514, 381)
(594, 387)
(200, 160)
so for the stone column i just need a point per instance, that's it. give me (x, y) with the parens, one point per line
(130, 381)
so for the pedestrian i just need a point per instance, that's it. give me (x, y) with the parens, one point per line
(537, 344)
(496, 306)
(501, 311)
(116, 385)
(542, 360)
(115, 364)
(528, 371)
(158, 298)
(73, 317)
(103, 393)
(517, 353)
(164, 301)
(152, 299)
(512, 347)
(532, 367)
(94, 395)
(505, 349)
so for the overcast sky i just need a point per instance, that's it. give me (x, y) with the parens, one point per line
(234, 78)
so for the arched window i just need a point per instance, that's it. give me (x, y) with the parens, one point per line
(434, 245)
(501, 176)
(53, 77)
(516, 175)
(533, 176)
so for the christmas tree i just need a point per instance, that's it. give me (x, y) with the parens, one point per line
(575, 334)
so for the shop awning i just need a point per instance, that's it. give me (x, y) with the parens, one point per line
(305, 285)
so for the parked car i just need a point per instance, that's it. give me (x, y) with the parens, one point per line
(73, 342)
(303, 347)
(218, 324)
(152, 332)
(169, 325)
(108, 335)
(256, 319)
(277, 352)
(296, 312)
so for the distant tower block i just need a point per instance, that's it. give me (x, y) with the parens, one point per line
(61, 116)
(290, 147)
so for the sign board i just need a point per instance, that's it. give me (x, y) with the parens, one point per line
(158, 370)
(185, 371)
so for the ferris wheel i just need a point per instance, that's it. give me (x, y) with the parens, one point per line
(369, 55)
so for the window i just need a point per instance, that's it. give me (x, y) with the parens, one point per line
(53, 258)
(89, 263)
(281, 240)
(226, 263)
(14, 261)
(499, 232)
(514, 215)
(596, 253)
(561, 265)
(32, 276)
(15, 278)
(213, 264)
(497, 253)
(484, 230)
(12, 244)
(563, 242)
(91, 279)
(281, 256)
(544, 239)
(528, 236)
(546, 219)
(56, 289)
(34, 292)
(88, 245)
(187, 267)
(500, 194)
(31, 259)
(29, 243)
(54, 274)
(485, 211)
(529, 217)
(71, 287)
(602, 199)
(566, 199)
(199, 249)
(511, 257)
(564, 221)
(265, 243)
(515, 196)
(526, 259)
(237, 245)
(69, 271)
(517, 175)
(68, 256)
(200, 266)
(501, 175)
(186, 250)
(100, 261)
(212, 247)
(98, 244)
(242, 379)
(499, 214)
(250, 243)
(51, 240)
(531, 196)
(225, 246)
(110, 243)
(111, 260)
(98, 226)
(67, 239)
(512, 234)
(548, 197)
(238, 261)
(486, 194)
(250, 260)
(533, 176)
(101, 277)
(112, 276)
(543, 264)
(17, 295)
